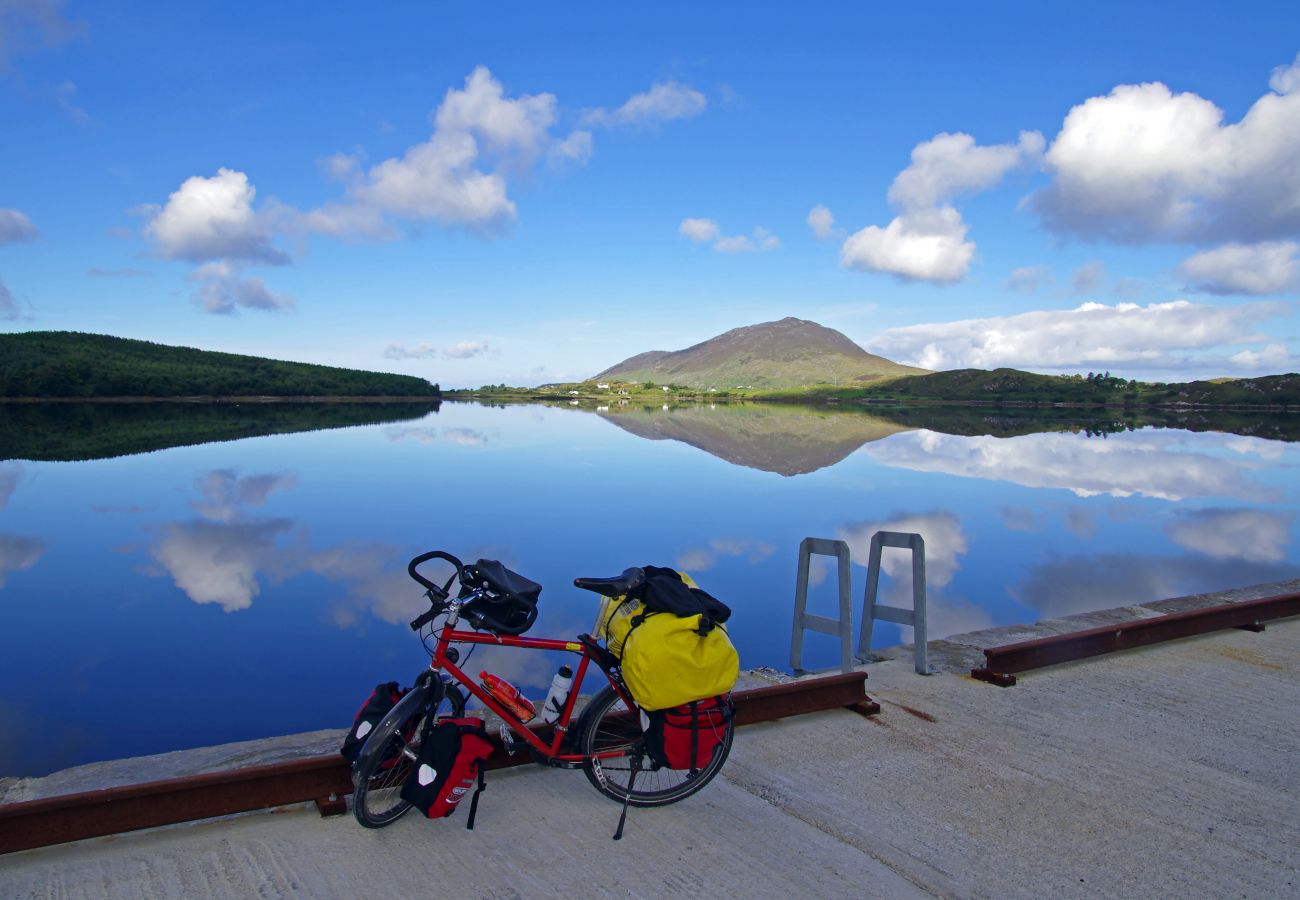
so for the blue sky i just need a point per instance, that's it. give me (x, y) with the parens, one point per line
(521, 193)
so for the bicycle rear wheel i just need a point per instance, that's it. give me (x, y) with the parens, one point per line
(390, 751)
(611, 726)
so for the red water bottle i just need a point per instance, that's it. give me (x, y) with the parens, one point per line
(508, 696)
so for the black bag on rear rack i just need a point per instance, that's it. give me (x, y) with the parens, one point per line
(451, 759)
(383, 698)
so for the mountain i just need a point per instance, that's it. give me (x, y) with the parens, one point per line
(68, 364)
(791, 353)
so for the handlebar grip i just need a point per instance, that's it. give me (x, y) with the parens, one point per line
(425, 557)
(420, 621)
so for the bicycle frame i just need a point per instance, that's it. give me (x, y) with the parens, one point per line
(551, 751)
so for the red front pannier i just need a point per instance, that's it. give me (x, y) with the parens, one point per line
(686, 736)
(449, 762)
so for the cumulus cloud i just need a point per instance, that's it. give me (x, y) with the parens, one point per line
(821, 221)
(701, 231)
(1273, 356)
(1159, 335)
(466, 350)
(925, 246)
(16, 227)
(1270, 267)
(1028, 278)
(1248, 534)
(927, 240)
(949, 165)
(10, 474)
(457, 176)
(209, 219)
(222, 291)
(1286, 79)
(218, 562)
(225, 493)
(18, 553)
(1143, 164)
(664, 102)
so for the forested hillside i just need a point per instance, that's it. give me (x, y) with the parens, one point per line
(70, 364)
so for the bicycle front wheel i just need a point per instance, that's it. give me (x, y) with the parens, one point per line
(611, 726)
(389, 753)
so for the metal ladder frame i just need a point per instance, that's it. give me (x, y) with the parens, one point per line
(871, 610)
(842, 627)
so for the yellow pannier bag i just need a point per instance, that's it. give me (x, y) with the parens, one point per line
(614, 620)
(666, 662)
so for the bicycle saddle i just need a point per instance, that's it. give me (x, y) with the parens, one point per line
(630, 580)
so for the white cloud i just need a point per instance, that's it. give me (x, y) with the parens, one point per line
(1271, 267)
(10, 474)
(1028, 278)
(948, 165)
(419, 351)
(15, 227)
(215, 562)
(699, 230)
(926, 246)
(1143, 164)
(821, 221)
(664, 102)
(223, 292)
(65, 96)
(507, 126)
(208, 219)
(1250, 534)
(18, 553)
(466, 350)
(1286, 79)
(1273, 356)
(225, 493)
(1158, 335)
(1088, 277)
(927, 240)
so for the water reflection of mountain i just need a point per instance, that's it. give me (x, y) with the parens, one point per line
(790, 439)
(781, 438)
(79, 431)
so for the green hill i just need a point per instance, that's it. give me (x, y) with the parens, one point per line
(791, 353)
(67, 364)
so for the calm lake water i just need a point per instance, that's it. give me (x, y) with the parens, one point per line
(176, 576)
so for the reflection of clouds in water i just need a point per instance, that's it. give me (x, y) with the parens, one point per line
(1149, 465)
(1247, 534)
(944, 543)
(10, 474)
(1247, 446)
(700, 559)
(1076, 584)
(218, 562)
(464, 437)
(1080, 522)
(18, 553)
(226, 492)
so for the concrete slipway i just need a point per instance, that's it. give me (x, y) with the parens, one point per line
(1170, 771)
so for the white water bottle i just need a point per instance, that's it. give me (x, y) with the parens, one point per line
(556, 696)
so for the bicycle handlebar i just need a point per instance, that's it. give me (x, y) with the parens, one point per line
(435, 593)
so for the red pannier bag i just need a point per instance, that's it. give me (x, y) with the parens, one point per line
(686, 736)
(450, 760)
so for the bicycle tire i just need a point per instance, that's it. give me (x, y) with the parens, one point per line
(609, 725)
(377, 795)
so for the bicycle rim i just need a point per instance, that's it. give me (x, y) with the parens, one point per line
(379, 776)
(612, 727)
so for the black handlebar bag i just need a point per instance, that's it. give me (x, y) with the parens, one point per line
(450, 760)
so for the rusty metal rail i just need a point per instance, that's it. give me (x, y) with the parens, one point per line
(1000, 662)
(327, 780)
